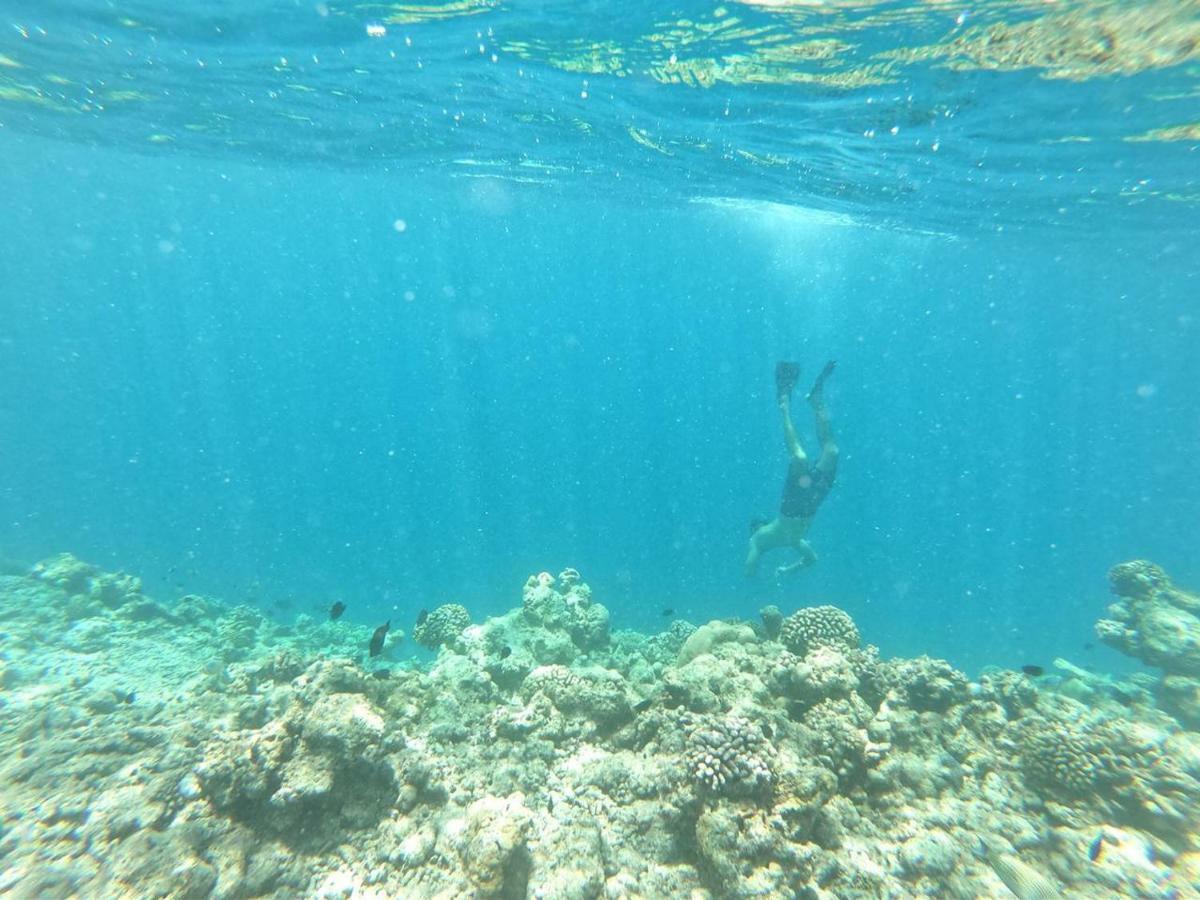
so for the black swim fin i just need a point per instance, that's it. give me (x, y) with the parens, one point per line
(786, 376)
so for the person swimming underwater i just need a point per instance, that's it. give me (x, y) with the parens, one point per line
(807, 483)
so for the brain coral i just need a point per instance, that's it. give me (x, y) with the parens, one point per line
(729, 755)
(442, 625)
(818, 626)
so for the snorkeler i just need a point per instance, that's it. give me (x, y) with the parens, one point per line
(807, 483)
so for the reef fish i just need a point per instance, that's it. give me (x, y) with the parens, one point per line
(1023, 880)
(335, 611)
(1033, 671)
(376, 646)
(422, 616)
(1096, 847)
(505, 652)
(668, 612)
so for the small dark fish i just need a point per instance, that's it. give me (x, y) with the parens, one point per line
(382, 674)
(642, 705)
(129, 697)
(335, 611)
(769, 732)
(1096, 848)
(669, 611)
(422, 616)
(376, 646)
(505, 652)
(1033, 671)
(1089, 646)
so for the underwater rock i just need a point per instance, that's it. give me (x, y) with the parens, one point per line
(597, 695)
(818, 626)
(493, 846)
(566, 605)
(706, 637)
(745, 857)
(824, 673)
(64, 571)
(772, 621)
(1153, 620)
(933, 854)
(927, 684)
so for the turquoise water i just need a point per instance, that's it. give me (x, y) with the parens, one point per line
(226, 368)
(397, 304)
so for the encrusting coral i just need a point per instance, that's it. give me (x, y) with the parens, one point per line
(542, 755)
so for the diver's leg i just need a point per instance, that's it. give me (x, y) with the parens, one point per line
(789, 431)
(752, 557)
(764, 539)
(816, 399)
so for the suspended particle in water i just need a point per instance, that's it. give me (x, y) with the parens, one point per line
(410, 296)
(400, 226)
(1146, 391)
(376, 30)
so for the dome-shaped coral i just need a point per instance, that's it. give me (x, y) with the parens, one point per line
(442, 625)
(1069, 759)
(818, 626)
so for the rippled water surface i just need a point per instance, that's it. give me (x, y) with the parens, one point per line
(934, 115)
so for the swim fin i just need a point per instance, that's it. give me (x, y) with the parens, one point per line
(786, 376)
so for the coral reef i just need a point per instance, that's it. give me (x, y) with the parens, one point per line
(541, 755)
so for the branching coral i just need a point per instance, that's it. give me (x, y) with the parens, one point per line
(730, 755)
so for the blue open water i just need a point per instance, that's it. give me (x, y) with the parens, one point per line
(399, 303)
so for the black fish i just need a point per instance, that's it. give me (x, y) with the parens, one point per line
(1089, 646)
(422, 616)
(1096, 847)
(335, 611)
(129, 697)
(1033, 671)
(376, 646)
(382, 674)
(669, 611)
(642, 705)
(505, 652)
